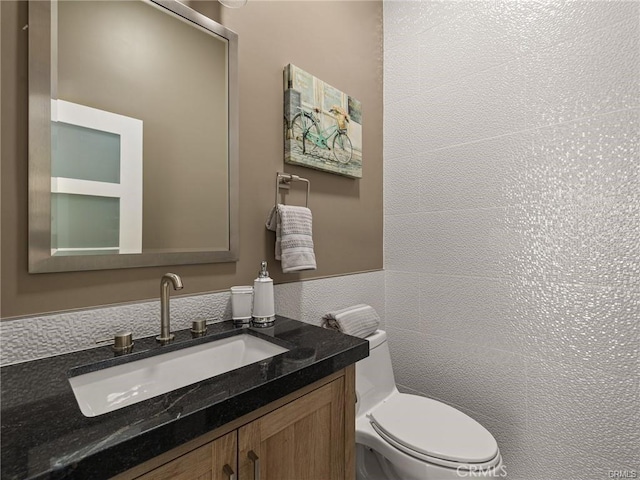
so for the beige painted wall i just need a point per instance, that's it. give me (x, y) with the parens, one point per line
(339, 42)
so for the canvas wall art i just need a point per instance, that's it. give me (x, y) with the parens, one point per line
(322, 125)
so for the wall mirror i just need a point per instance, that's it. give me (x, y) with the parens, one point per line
(133, 136)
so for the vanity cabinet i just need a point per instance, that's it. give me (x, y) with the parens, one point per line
(302, 440)
(307, 435)
(213, 461)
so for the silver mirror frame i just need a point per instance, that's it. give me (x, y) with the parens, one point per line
(41, 88)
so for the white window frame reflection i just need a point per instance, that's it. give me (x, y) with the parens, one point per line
(129, 190)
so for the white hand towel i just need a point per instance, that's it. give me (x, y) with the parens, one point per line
(294, 241)
(359, 320)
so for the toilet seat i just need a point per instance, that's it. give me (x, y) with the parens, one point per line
(434, 432)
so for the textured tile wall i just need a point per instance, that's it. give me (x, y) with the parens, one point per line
(308, 301)
(512, 223)
(34, 337)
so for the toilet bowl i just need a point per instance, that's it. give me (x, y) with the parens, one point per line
(408, 437)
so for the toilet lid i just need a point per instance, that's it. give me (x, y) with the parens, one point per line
(434, 429)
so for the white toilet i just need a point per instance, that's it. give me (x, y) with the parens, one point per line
(407, 437)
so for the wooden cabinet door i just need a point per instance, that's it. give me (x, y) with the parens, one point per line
(303, 440)
(224, 453)
(204, 463)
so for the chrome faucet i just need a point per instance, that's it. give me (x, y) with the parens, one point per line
(165, 329)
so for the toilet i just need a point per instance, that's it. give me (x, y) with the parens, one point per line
(408, 437)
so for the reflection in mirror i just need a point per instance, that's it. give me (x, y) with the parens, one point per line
(133, 158)
(96, 181)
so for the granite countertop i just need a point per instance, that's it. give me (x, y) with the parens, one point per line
(44, 434)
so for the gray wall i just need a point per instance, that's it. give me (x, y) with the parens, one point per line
(512, 208)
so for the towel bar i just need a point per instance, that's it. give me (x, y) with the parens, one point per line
(284, 179)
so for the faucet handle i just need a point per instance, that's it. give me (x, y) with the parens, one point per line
(198, 327)
(122, 342)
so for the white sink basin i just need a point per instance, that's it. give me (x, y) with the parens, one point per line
(123, 385)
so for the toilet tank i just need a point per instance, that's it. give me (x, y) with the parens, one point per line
(374, 374)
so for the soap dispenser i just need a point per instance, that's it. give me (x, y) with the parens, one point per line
(264, 313)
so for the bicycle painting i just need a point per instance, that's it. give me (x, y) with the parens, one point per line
(323, 126)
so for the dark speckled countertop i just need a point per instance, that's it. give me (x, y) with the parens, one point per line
(44, 434)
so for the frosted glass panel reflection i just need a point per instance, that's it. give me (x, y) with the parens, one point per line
(84, 224)
(84, 153)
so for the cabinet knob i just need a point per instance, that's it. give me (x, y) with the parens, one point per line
(228, 471)
(256, 464)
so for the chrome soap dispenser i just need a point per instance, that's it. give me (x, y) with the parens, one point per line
(264, 313)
